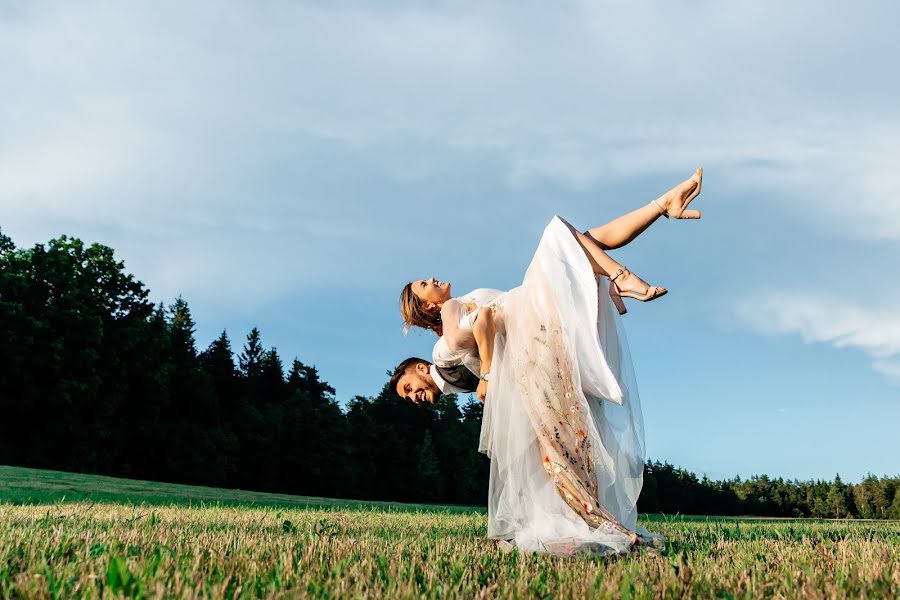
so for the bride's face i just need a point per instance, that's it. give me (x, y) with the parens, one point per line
(431, 291)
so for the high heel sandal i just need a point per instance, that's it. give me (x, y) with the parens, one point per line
(694, 194)
(616, 294)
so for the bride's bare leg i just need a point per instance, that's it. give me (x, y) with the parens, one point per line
(624, 229)
(603, 264)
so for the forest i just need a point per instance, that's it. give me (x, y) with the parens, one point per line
(95, 378)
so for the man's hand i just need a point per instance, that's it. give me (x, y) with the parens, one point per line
(484, 330)
(481, 391)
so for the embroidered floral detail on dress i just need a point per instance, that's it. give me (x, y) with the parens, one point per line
(556, 408)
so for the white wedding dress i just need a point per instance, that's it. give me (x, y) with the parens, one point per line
(562, 420)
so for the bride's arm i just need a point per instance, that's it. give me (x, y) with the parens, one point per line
(484, 330)
(457, 326)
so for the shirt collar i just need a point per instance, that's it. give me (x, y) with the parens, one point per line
(438, 380)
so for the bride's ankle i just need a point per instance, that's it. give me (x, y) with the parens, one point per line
(627, 280)
(660, 205)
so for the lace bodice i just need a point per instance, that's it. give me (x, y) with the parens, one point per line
(458, 315)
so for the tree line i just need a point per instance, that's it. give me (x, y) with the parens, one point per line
(96, 378)
(672, 490)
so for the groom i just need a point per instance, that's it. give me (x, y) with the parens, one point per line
(418, 380)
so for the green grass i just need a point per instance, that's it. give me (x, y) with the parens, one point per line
(112, 537)
(35, 486)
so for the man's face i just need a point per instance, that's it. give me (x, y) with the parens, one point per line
(417, 385)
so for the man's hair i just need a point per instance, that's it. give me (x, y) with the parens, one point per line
(401, 369)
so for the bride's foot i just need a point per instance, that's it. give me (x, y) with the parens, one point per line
(674, 202)
(624, 283)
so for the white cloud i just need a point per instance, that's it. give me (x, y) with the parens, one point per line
(820, 319)
(890, 369)
(285, 124)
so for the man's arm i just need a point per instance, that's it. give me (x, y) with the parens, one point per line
(484, 330)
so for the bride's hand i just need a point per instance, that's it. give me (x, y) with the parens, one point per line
(481, 391)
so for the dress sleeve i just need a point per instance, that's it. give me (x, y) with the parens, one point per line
(457, 323)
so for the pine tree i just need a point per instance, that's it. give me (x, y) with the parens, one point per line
(883, 497)
(894, 511)
(836, 499)
(306, 379)
(363, 440)
(271, 378)
(218, 362)
(478, 465)
(250, 360)
(192, 420)
(428, 480)
(648, 500)
(863, 497)
(6, 244)
(316, 435)
(181, 334)
(254, 466)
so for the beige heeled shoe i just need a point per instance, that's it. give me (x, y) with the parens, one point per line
(680, 212)
(617, 294)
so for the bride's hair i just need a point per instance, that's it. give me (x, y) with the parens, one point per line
(415, 314)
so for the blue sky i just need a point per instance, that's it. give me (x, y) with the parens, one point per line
(291, 165)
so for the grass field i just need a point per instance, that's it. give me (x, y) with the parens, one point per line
(33, 486)
(64, 535)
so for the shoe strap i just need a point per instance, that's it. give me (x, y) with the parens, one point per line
(619, 273)
(662, 210)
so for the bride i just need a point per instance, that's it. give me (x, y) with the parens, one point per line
(562, 422)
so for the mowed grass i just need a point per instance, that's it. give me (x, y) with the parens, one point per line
(90, 548)
(36, 486)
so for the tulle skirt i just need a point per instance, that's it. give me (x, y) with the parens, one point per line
(562, 420)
